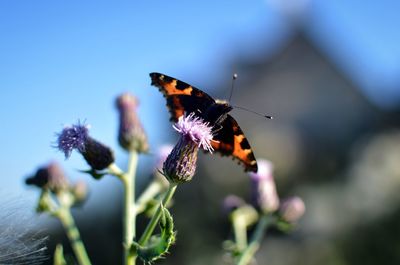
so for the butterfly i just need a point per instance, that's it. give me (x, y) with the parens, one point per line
(229, 139)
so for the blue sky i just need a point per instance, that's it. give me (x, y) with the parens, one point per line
(60, 62)
(64, 61)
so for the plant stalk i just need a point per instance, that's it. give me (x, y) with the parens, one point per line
(129, 218)
(255, 241)
(74, 237)
(156, 217)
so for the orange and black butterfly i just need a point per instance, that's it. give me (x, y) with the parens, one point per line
(228, 139)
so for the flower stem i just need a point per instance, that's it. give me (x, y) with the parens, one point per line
(129, 217)
(255, 240)
(148, 194)
(74, 237)
(154, 220)
(240, 231)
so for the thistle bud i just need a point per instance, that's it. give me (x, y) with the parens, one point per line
(180, 164)
(49, 177)
(231, 203)
(80, 191)
(292, 209)
(131, 135)
(263, 189)
(96, 154)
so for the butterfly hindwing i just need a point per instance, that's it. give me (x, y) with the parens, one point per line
(230, 141)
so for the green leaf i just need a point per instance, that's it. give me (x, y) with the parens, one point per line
(285, 226)
(94, 173)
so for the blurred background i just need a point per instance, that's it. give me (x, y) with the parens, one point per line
(328, 71)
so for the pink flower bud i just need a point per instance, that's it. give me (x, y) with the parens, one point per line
(264, 195)
(292, 209)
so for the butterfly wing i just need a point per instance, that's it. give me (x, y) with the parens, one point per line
(230, 141)
(181, 97)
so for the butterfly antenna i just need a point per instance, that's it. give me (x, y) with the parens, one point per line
(255, 112)
(234, 77)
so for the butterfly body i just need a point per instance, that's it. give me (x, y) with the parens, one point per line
(229, 139)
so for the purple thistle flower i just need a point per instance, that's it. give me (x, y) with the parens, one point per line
(292, 209)
(180, 164)
(96, 154)
(264, 194)
(196, 130)
(49, 177)
(73, 137)
(131, 135)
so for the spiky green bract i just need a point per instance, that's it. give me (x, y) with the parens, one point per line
(158, 245)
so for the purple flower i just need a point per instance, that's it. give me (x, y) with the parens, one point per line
(292, 209)
(264, 195)
(196, 130)
(131, 135)
(180, 164)
(49, 177)
(73, 137)
(96, 154)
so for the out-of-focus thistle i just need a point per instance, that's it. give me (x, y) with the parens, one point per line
(180, 164)
(264, 194)
(56, 198)
(80, 191)
(49, 177)
(96, 154)
(131, 135)
(292, 209)
(52, 180)
(231, 203)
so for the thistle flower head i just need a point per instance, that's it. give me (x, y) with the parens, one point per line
(180, 164)
(131, 135)
(50, 177)
(292, 209)
(73, 137)
(196, 130)
(96, 154)
(264, 194)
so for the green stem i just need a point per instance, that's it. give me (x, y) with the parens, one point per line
(240, 230)
(255, 240)
(129, 217)
(74, 237)
(148, 194)
(154, 220)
